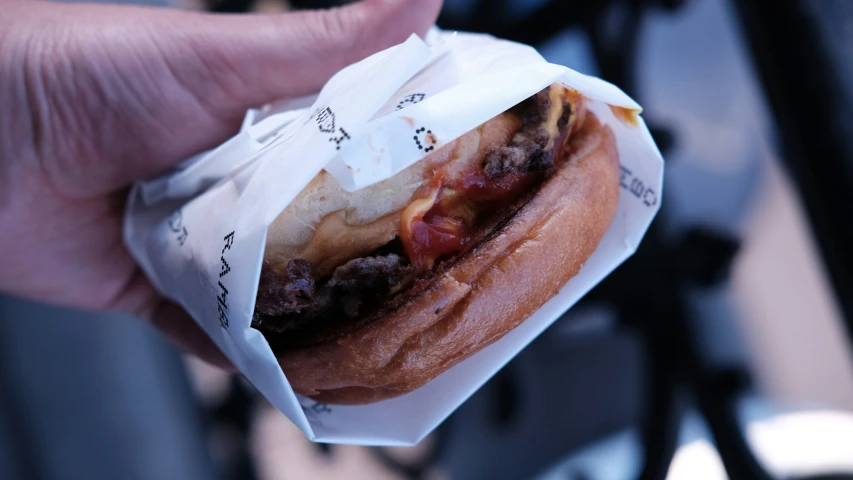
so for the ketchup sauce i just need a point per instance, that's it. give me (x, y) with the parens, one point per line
(446, 222)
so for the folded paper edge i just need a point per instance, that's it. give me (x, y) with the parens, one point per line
(137, 194)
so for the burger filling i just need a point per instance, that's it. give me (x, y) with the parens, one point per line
(458, 210)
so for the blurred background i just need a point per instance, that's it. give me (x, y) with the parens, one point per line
(722, 349)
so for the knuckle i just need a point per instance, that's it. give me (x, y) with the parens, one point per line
(336, 29)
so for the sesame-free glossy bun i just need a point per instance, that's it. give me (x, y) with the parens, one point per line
(480, 296)
(327, 226)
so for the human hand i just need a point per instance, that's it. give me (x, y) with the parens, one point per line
(95, 97)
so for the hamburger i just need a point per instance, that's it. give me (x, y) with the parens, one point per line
(368, 295)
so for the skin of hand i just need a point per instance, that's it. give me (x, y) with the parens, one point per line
(95, 97)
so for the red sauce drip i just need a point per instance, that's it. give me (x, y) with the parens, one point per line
(450, 224)
(435, 236)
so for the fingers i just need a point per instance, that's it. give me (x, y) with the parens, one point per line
(182, 331)
(272, 56)
(142, 300)
(237, 61)
(151, 86)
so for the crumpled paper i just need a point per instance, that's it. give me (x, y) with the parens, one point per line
(198, 232)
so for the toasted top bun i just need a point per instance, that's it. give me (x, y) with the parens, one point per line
(328, 226)
(474, 300)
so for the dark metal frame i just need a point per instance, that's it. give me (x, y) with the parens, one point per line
(800, 48)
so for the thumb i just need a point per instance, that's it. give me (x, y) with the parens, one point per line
(258, 58)
(233, 62)
(152, 86)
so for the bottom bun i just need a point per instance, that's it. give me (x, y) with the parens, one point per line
(481, 296)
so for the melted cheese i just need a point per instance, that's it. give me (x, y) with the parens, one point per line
(557, 95)
(415, 211)
(626, 115)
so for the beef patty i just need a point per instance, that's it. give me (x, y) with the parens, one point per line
(294, 309)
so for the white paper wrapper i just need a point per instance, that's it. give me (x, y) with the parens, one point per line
(199, 232)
